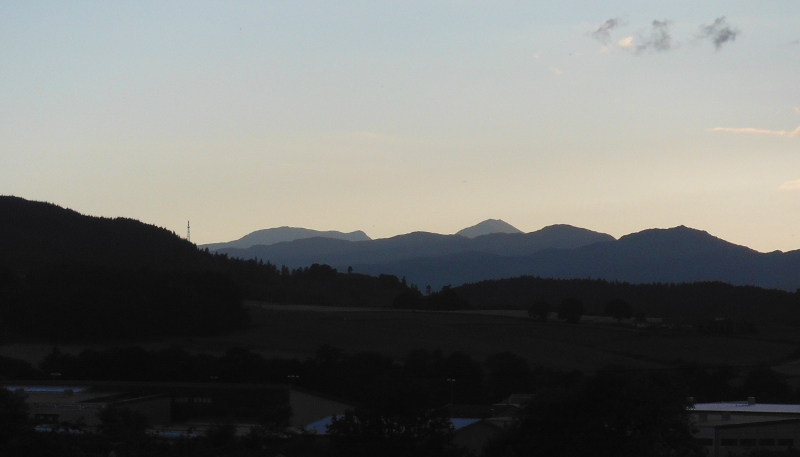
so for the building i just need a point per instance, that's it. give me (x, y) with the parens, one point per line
(163, 403)
(739, 427)
(79, 405)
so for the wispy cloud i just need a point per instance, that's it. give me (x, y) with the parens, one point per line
(658, 39)
(603, 33)
(755, 131)
(790, 185)
(718, 33)
(657, 36)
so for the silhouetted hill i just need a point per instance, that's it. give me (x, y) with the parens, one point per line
(487, 227)
(35, 234)
(416, 245)
(270, 236)
(66, 276)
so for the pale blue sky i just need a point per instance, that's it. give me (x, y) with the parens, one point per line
(390, 117)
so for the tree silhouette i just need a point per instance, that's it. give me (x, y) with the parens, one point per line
(539, 309)
(618, 309)
(13, 417)
(613, 413)
(570, 310)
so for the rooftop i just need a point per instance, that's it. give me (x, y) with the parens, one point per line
(747, 408)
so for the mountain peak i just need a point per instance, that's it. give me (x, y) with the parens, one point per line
(487, 227)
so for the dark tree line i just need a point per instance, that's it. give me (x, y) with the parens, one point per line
(102, 303)
(689, 302)
(362, 377)
(447, 299)
(367, 376)
(99, 303)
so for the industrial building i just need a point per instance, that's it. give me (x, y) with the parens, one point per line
(739, 427)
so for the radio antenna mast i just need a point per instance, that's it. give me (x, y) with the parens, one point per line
(188, 232)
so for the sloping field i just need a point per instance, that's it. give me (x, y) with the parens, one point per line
(298, 332)
(287, 333)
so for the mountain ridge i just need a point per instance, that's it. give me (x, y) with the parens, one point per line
(36, 233)
(283, 234)
(342, 254)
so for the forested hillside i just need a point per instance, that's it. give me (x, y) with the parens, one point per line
(66, 276)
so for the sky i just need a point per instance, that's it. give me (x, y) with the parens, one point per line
(399, 116)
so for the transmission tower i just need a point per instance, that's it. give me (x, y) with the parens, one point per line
(188, 232)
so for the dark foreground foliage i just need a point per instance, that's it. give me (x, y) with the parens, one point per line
(613, 413)
(94, 303)
(401, 405)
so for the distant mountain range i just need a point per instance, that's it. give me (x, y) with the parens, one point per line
(675, 255)
(284, 234)
(35, 234)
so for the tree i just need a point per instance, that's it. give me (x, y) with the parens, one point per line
(570, 310)
(447, 299)
(124, 426)
(370, 432)
(13, 417)
(614, 413)
(408, 299)
(508, 374)
(539, 309)
(618, 309)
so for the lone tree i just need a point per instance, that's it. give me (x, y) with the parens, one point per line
(539, 309)
(618, 309)
(570, 310)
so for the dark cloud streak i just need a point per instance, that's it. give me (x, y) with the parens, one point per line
(603, 33)
(719, 32)
(659, 39)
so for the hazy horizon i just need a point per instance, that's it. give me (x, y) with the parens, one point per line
(408, 116)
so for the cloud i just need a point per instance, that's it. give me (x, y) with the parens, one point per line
(657, 37)
(719, 32)
(603, 33)
(658, 40)
(754, 131)
(796, 110)
(625, 43)
(790, 185)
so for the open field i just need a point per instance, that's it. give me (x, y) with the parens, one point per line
(280, 331)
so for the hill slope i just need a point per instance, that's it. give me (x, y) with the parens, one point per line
(66, 276)
(35, 234)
